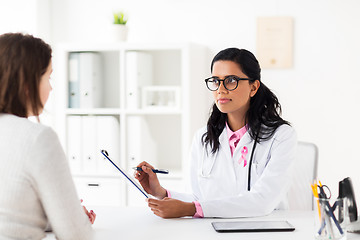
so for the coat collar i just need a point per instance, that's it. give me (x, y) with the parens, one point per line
(224, 138)
(224, 142)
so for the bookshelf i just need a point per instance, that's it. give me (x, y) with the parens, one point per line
(151, 99)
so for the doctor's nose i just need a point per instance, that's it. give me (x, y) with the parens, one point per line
(221, 88)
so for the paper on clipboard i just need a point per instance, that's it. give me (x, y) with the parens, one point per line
(106, 155)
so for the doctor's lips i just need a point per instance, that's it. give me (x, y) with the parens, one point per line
(223, 100)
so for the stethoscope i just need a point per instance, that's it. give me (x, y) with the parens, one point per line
(212, 166)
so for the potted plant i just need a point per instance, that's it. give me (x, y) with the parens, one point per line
(119, 26)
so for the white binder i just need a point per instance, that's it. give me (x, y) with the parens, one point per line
(108, 138)
(74, 143)
(139, 71)
(89, 144)
(140, 144)
(90, 80)
(74, 83)
(140, 147)
(85, 80)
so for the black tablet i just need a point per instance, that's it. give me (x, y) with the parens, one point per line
(253, 226)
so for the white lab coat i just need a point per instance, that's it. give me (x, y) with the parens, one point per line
(219, 183)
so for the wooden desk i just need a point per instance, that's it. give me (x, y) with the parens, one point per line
(141, 223)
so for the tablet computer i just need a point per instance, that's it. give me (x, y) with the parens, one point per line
(253, 226)
(128, 177)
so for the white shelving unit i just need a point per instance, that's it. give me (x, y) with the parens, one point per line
(158, 128)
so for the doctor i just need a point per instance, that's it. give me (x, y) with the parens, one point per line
(241, 162)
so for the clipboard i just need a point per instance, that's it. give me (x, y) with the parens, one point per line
(128, 177)
(253, 226)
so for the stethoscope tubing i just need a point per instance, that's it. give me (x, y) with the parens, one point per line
(250, 162)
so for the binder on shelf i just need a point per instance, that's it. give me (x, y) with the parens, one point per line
(74, 86)
(85, 89)
(89, 146)
(74, 143)
(108, 138)
(140, 144)
(138, 73)
(140, 147)
(86, 135)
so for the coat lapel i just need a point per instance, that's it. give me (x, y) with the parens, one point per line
(246, 140)
(224, 144)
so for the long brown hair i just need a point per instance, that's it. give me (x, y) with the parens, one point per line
(23, 60)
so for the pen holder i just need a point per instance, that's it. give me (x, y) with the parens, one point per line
(331, 218)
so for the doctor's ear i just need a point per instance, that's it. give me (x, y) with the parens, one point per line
(254, 87)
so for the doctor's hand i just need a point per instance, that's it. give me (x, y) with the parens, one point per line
(149, 181)
(171, 208)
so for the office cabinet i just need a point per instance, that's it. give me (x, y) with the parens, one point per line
(100, 191)
(144, 104)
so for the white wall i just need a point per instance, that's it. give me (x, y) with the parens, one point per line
(14, 18)
(27, 16)
(319, 94)
(31, 17)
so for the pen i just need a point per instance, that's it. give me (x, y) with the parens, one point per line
(314, 189)
(329, 208)
(163, 171)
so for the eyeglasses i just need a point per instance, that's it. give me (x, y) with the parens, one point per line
(230, 82)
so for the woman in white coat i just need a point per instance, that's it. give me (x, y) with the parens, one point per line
(241, 162)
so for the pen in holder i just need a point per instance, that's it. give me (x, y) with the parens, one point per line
(334, 215)
(328, 225)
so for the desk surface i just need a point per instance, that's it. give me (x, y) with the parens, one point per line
(141, 223)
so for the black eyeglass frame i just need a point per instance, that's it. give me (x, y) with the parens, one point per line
(223, 82)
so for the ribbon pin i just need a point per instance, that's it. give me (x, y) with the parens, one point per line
(244, 152)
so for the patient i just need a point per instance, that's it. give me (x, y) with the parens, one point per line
(36, 187)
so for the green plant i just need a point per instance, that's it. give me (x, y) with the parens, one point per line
(120, 18)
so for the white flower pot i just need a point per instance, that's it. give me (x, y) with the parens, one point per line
(119, 32)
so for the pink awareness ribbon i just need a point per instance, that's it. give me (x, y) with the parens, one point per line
(244, 152)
